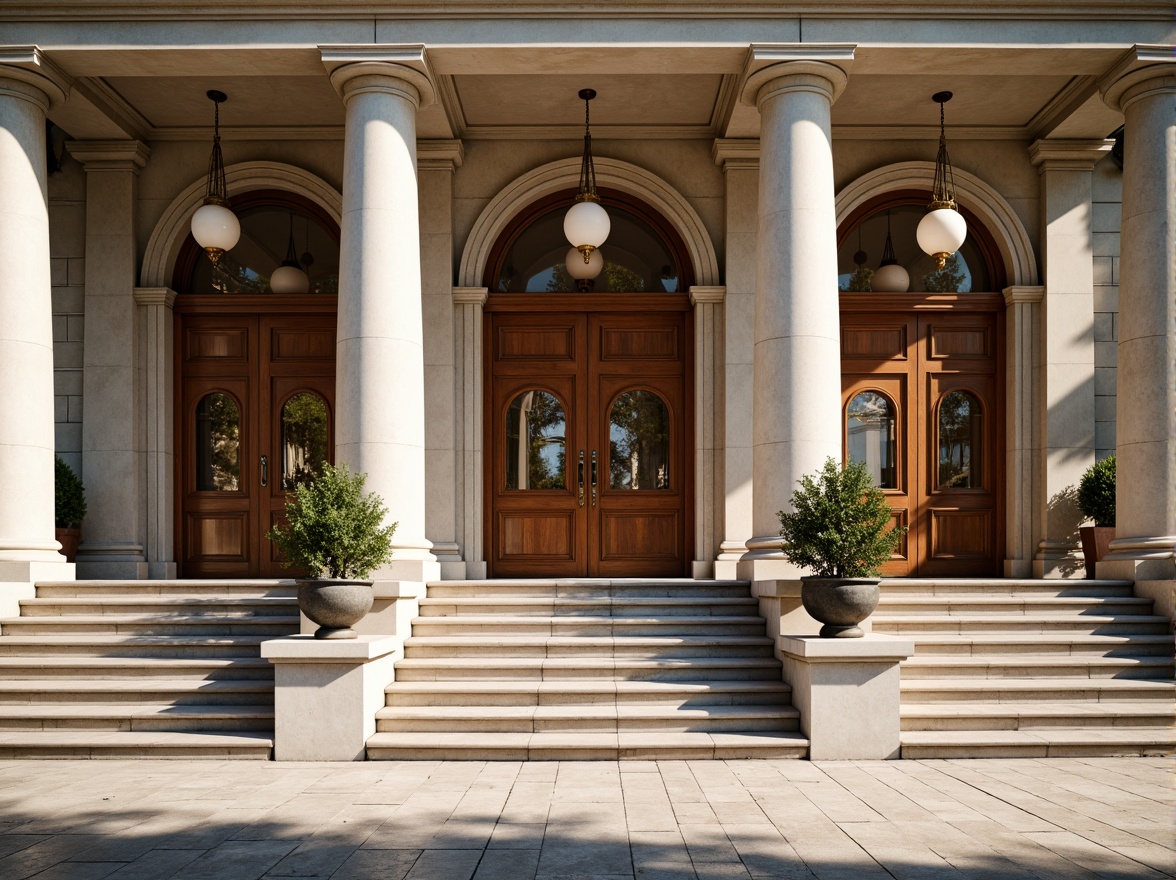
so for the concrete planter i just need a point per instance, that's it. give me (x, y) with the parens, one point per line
(69, 540)
(335, 605)
(840, 604)
(1096, 543)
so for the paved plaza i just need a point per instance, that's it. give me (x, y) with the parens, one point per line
(1063, 819)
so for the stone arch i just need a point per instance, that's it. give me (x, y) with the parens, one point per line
(565, 173)
(971, 192)
(168, 235)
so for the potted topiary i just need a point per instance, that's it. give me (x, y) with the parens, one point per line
(838, 530)
(336, 534)
(1096, 499)
(69, 508)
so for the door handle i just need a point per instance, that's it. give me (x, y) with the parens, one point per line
(264, 470)
(581, 477)
(593, 477)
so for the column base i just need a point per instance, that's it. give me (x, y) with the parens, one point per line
(1140, 559)
(326, 695)
(847, 692)
(1059, 559)
(18, 581)
(112, 562)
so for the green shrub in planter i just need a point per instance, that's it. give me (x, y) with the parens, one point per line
(333, 528)
(69, 508)
(1096, 492)
(838, 524)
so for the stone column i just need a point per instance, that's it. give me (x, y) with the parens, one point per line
(112, 545)
(380, 397)
(156, 369)
(1145, 528)
(797, 393)
(739, 159)
(1065, 409)
(467, 345)
(1023, 322)
(708, 427)
(29, 86)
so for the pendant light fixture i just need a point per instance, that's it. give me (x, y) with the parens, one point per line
(942, 230)
(584, 272)
(289, 277)
(214, 226)
(586, 224)
(890, 277)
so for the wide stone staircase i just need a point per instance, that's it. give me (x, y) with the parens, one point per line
(116, 669)
(1031, 668)
(587, 669)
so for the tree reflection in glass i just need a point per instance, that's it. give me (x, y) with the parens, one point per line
(869, 433)
(218, 439)
(959, 441)
(535, 455)
(639, 442)
(304, 438)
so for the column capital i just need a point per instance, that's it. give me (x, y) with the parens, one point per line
(736, 153)
(440, 155)
(29, 66)
(822, 67)
(1064, 154)
(1023, 294)
(114, 155)
(155, 296)
(1143, 69)
(474, 296)
(402, 70)
(707, 294)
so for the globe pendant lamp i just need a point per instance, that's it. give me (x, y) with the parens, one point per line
(586, 224)
(214, 226)
(942, 230)
(584, 272)
(890, 276)
(289, 277)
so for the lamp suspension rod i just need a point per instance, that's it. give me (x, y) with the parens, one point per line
(587, 191)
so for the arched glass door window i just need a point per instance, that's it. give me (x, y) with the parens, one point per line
(218, 442)
(959, 439)
(639, 442)
(535, 441)
(869, 436)
(305, 438)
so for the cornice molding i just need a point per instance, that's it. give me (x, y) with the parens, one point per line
(440, 155)
(110, 155)
(1064, 154)
(155, 296)
(736, 153)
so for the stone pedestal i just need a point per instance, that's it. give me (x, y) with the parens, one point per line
(847, 693)
(327, 693)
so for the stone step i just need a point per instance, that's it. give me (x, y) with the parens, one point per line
(145, 689)
(589, 588)
(268, 625)
(999, 690)
(1056, 742)
(901, 606)
(1076, 644)
(172, 588)
(74, 744)
(74, 667)
(1123, 624)
(1023, 665)
(1002, 586)
(127, 645)
(400, 746)
(634, 647)
(642, 607)
(507, 692)
(561, 668)
(141, 716)
(594, 717)
(492, 625)
(206, 606)
(1032, 715)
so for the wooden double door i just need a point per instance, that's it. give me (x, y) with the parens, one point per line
(589, 460)
(922, 406)
(255, 416)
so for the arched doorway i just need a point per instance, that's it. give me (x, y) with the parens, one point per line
(923, 387)
(255, 383)
(588, 399)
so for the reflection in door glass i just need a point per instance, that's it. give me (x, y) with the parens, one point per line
(304, 438)
(869, 433)
(639, 442)
(218, 438)
(535, 456)
(959, 441)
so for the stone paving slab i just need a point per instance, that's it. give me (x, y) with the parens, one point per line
(1026, 819)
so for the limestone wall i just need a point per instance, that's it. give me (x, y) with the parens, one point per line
(1108, 192)
(67, 248)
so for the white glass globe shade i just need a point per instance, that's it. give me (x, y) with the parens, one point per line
(586, 223)
(215, 226)
(941, 231)
(890, 279)
(289, 279)
(578, 269)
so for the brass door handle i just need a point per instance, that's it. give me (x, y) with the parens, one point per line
(581, 478)
(593, 477)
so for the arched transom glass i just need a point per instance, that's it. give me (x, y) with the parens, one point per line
(535, 441)
(639, 442)
(959, 441)
(218, 442)
(869, 436)
(305, 433)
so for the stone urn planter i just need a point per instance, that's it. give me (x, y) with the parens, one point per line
(1096, 543)
(69, 540)
(840, 604)
(335, 605)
